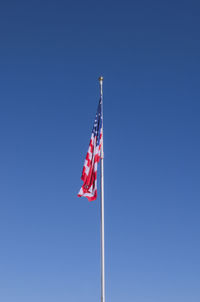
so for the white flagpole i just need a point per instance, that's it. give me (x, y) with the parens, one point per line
(102, 207)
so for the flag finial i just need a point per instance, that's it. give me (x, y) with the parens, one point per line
(101, 85)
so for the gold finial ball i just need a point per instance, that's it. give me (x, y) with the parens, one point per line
(100, 79)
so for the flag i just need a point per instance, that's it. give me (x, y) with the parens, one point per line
(89, 173)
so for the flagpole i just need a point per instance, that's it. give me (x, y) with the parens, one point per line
(102, 207)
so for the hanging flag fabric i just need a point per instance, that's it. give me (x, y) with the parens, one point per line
(89, 173)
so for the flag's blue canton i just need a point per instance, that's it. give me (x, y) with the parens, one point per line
(98, 122)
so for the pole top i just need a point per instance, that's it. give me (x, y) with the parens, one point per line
(100, 79)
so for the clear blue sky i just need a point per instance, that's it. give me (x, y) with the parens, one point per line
(51, 55)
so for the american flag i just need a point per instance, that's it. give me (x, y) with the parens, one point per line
(89, 173)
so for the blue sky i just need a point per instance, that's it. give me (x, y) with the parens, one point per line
(51, 55)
